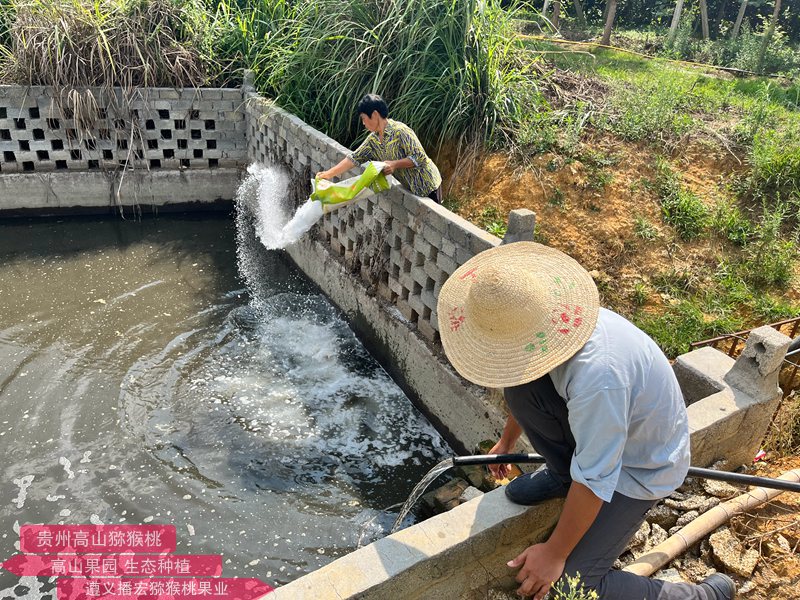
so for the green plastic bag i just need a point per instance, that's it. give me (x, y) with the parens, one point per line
(336, 195)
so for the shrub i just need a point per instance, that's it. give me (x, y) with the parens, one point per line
(769, 258)
(775, 157)
(644, 228)
(730, 223)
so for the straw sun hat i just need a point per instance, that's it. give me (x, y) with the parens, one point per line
(512, 313)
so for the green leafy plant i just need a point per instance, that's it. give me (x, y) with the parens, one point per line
(644, 229)
(681, 208)
(571, 588)
(557, 198)
(731, 224)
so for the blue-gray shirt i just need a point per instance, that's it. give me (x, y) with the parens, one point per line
(626, 412)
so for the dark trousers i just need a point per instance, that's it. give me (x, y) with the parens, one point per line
(436, 195)
(543, 416)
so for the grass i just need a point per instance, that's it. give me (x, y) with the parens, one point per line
(680, 207)
(752, 225)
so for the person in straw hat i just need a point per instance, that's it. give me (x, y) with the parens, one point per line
(593, 394)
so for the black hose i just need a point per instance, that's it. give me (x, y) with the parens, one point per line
(766, 482)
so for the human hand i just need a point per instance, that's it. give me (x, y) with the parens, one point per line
(388, 167)
(500, 471)
(323, 175)
(540, 569)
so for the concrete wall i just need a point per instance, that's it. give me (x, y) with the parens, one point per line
(97, 148)
(383, 263)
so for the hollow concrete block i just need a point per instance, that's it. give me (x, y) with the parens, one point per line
(756, 370)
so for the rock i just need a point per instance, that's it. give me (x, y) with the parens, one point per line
(746, 587)
(663, 516)
(694, 569)
(780, 545)
(473, 474)
(705, 551)
(720, 489)
(691, 486)
(639, 538)
(469, 494)
(657, 536)
(446, 497)
(696, 502)
(729, 553)
(686, 518)
(670, 575)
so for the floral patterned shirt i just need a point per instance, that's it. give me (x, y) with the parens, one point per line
(400, 141)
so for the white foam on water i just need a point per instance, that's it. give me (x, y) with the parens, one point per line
(66, 463)
(264, 191)
(24, 483)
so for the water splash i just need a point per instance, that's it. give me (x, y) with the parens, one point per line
(419, 489)
(263, 192)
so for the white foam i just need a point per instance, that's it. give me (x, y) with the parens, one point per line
(264, 191)
(24, 483)
(66, 463)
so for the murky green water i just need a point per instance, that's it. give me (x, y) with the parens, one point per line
(142, 382)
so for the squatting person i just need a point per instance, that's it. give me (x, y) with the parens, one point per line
(395, 144)
(594, 395)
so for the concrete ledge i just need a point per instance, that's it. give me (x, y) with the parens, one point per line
(458, 554)
(59, 193)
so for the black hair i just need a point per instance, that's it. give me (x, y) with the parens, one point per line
(373, 102)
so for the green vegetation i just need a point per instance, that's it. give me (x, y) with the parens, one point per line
(571, 588)
(681, 208)
(464, 77)
(70, 44)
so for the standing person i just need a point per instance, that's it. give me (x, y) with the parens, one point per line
(595, 396)
(395, 144)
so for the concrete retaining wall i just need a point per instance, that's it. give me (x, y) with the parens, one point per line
(383, 263)
(96, 148)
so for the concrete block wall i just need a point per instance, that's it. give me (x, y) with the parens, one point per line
(402, 246)
(154, 128)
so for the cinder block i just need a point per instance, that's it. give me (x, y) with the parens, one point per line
(447, 264)
(426, 330)
(405, 310)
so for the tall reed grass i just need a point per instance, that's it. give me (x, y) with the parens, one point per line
(449, 68)
(71, 44)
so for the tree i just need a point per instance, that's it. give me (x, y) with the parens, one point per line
(704, 18)
(579, 13)
(769, 33)
(612, 11)
(556, 13)
(739, 17)
(676, 19)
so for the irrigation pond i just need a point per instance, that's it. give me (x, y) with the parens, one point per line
(172, 370)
